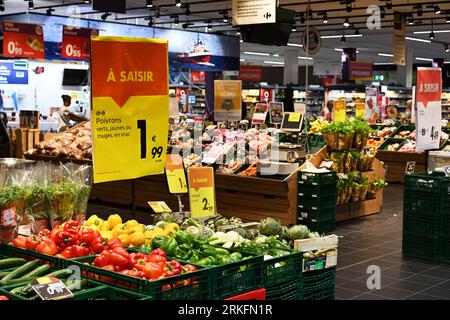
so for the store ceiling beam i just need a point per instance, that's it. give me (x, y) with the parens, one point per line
(193, 13)
(61, 5)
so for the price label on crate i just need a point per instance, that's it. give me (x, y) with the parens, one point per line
(447, 171)
(410, 167)
(176, 178)
(202, 196)
(159, 206)
(51, 288)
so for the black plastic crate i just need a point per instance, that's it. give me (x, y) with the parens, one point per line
(444, 249)
(314, 216)
(434, 182)
(319, 285)
(321, 204)
(289, 289)
(421, 204)
(277, 270)
(318, 192)
(420, 224)
(420, 246)
(316, 178)
(320, 226)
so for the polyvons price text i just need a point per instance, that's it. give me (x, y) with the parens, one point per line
(228, 309)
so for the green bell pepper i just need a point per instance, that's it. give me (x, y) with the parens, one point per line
(194, 257)
(184, 237)
(224, 260)
(183, 252)
(146, 248)
(169, 245)
(236, 256)
(214, 251)
(157, 241)
(197, 243)
(208, 262)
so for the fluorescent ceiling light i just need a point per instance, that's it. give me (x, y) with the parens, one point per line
(241, 60)
(446, 62)
(276, 55)
(294, 45)
(338, 49)
(275, 62)
(257, 53)
(383, 63)
(435, 31)
(386, 55)
(304, 58)
(241, 41)
(424, 59)
(417, 39)
(339, 36)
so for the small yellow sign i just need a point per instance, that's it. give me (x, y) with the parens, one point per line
(159, 206)
(294, 117)
(202, 196)
(176, 178)
(340, 110)
(360, 110)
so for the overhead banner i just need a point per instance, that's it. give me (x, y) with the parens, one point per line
(198, 76)
(23, 40)
(76, 43)
(253, 11)
(250, 73)
(326, 68)
(399, 41)
(227, 100)
(360, 71)
(372, 112)
(130, 107)
(429, 104)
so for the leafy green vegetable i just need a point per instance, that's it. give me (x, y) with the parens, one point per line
(61, 197)
(82, 199)
(36, 201)
(270, 227)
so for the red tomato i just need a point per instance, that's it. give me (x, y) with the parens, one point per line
(153, 270)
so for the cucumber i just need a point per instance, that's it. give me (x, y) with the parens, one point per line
(16, 281)
(39, 271)
(74, 285)
(4, 273)
(20, 271)
(17, 290)
(11, 262)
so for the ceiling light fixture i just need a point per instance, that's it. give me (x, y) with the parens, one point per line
(383, 63)
(338, 36)
(417, 39)
(432, 30)
(294, 44)
(389, 4)
(346, 23)
(274, 62)
(87, 1)
(276, 55)
(177, 21)
(178, 3)
(257, 53)
(410, 19)
(306, 58)
(150, 21)
(437, 10)
(294, 28)
(30, 5)
(435, 31)
(339, 49)
(424, 59)
(49, 11)
(348, 6)
(225, 16)
(446, 48)
(386, 55)
(210, 25)
(419, 9)
(447, 18)
(343, 38)
(187, 24)
(238, 32)
(105, 16)
(325, 17)
(241, 60)
(149, 4)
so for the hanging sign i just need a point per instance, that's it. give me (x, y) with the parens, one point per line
(227, 100)
(23, 40)
(429, 104)
(339, 110)
(253, 11)
(176, 178)
(159, 206)
(266, 95)
(311, 45)
(202, 196)
(130, 107)
(76, 43)
(250, 73)
(399, 41)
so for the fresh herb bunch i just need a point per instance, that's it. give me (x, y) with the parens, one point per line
(61, 198)
(9, 196)
(82, 199)
(36, 201)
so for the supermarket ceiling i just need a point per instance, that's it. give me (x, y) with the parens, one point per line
(197, 15)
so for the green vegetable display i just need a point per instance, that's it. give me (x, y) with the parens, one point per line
(270, 227)
(61, 197)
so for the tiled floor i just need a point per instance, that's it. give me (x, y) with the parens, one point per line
(377, 241)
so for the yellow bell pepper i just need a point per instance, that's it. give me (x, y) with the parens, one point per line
(114, 220)
(173, 226)
(106, 226)
(125, 238)
(106, 234)
(138, 228)
(131, 223)
(95, 221)
(118, 230)
(137, 239)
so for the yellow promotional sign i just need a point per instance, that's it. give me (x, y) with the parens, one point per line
(340, 110)
(176, 178)
(130, 107)
(360, 110)
(159, 206)
(227, 100)
(294, 117)
(202, 196)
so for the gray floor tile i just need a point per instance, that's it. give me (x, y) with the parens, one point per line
(392, 293)
(420, 296)
(346, 294)
(431, 281)
(369, 296)
(408, 286)
(437, 291)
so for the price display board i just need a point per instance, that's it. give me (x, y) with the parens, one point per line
(410, 167)
(51, 288)
(23, 40)
(259, 116)
(130, 107)
(292, 122)
(276, 110)
(159, 206)
(202, 195)
(76, 42)
(176, 177)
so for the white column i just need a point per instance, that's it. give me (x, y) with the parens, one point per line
(290, 66)
(405, 73)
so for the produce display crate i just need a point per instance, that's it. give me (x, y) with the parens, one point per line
(108, 293)
(420, 223)
(316, 178)
(435, 183)
(319, 285)
(188, 286)
(420, 246)
(421, 204)
(390, 141)
(320, 226)
(444, 249)
(324, 203)
(290, 289)
(277, 270)
(318, 191)
(317, 215)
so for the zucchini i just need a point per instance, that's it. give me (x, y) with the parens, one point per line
(16, 281)
(22, 270)
(39, 271)
(11, 262)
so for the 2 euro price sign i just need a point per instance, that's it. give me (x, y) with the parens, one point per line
(130, 107)
(202, 196)
(76, 42)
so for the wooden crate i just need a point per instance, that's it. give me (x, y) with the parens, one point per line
(396, 163)
(23, 140)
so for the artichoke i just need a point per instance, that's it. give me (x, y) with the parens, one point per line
(298, 232)
(270, 227)
(244, 233)
(167, 217)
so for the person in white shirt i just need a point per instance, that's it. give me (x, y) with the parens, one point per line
(66, 115)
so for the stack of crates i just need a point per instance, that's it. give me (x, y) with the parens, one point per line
(319, 285)
(317, 201)
(426, 217)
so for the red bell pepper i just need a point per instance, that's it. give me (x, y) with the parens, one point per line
(156, 259)
(86, 236)
(100, 261)
(80, 251)
(118, 260)
(67, 253)
(44, 233)
(189, 268)
(159, 252)
(122, 251)
(97, 245)
(175, 266)
(138, 260)
(32, 242)
(53, 233)
(47, 247)
(113, 243)
(64, 239)
(72, 226)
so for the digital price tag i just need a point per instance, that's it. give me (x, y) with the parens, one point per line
(159, 206)
(176, 177)
(447, 171)
(202, 196)
(51, 288)
(410, 167)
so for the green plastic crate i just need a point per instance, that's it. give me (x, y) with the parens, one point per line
(316, 178)
(420, 224)
(319, 285)
(290, 289)
(317, 192)
(321, 204)
(108, 293)
(444, 249)
(421, 204)
(327, 293)
(277, 270)
(435, 182)
(421, 247)
(188, 286)
(320, 226)
(314, 216)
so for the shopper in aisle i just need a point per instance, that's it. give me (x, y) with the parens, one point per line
(288, 101)
(408, 112)
(66, 115)
(327, 111)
